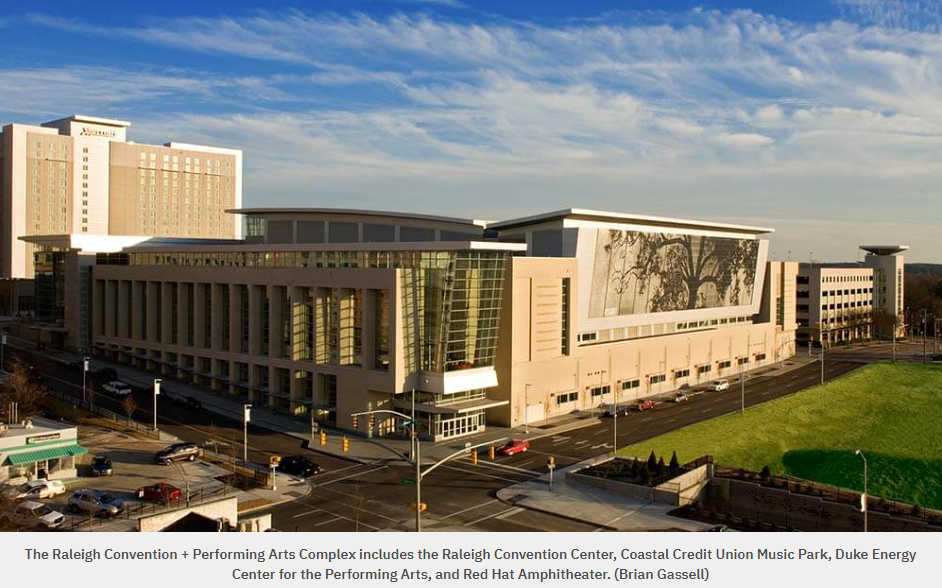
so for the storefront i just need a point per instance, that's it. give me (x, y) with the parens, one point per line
(38, 449)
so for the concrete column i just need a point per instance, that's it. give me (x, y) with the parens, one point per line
(183, 304)
(274, 320)
(98, 319)
(368, 321)
(255, 320)
(166, 312)
(214, 337)
(137, 310)
(125, 309)
(110, 307)
(153, 296)
(235, 317)
(200, 336)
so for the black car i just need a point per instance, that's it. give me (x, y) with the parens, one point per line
(101, 466)
(300, 466)
(177, 452)
(187, 401)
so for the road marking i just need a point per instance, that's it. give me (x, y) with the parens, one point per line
(481, 474)
(504, 466)
(329, 521)
(464, 510)
(509, 513)
(647, 419)
(356, 475)
(496, 514)
(582, 442)
(670, 421)
(705, 411)
(304, 514)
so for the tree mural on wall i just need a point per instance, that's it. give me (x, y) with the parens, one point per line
(658, 272)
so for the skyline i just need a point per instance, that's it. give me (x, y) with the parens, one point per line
(818, 119)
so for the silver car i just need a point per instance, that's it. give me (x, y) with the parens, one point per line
(95, 502)
(35, 515)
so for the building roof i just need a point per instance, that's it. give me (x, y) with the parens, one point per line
(360, 212)
(884, 249)
(603, 216)
(92, 119)
(90, 243)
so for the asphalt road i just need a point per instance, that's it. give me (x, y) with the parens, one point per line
(351, 496)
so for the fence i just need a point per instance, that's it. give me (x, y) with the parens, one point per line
(134, 510)
(92, 408)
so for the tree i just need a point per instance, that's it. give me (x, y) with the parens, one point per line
(766, 473)
(660, 466)
(634, 468)
(645, 476)
(676, 270)
(674, 465)
(23, 388)
(129, 406)
(652, 461)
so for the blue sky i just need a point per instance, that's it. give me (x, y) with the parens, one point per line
(822, 119)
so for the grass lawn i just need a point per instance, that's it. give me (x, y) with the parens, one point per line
(892, 412)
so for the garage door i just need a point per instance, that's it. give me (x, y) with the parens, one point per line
(535, 413)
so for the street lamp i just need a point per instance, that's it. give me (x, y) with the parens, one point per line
(246, 417)
(156, 394)
(863, 498)
(526, 409)
(84, 377)
(3, 345)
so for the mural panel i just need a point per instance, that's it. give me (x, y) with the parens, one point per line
(639, 273)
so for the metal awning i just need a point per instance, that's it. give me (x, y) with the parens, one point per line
(456, 408)
(44, 454)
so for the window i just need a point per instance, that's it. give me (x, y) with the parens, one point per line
(760, 357)
(566, 398)
(742, 361)
(681, 374)
(724, 365)
(704, 369)
(600, 391)
(630, 384)
(657, 379)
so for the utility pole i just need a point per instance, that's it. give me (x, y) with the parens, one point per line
(863, 497)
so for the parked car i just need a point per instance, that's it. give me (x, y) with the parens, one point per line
(514, 446)
(177, 452)
(95, 503)
(681, 397)
(643, 405)
(718, 385)
(159, 492)
(298, 465)
(35, 490)
(117, 388)
(610, 410)
(101, 466)
(35, 515)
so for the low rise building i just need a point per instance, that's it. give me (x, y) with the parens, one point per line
(38, 448)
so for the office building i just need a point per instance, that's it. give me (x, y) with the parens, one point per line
(840, 303)
(320, 313)
(81, 175)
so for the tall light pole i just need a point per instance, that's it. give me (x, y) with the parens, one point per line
(742, 387)
(863, 498)
(3, 345)
(84, 377)
(924, 311)
(246, 417)
(614, 426)
(156, 394)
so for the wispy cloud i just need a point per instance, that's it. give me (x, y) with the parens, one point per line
(917, 15)
(706, 113)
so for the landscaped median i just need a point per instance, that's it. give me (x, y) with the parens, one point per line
(891, 412)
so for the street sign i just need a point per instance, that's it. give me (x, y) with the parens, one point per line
(407, 481)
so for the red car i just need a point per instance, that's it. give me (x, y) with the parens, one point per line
(643, 405)
(514, 446)
(160, 492)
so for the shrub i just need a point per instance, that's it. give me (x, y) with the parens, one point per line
(916, 511)
(660, 467)
(674, 463)
(652, 461)
(766, 473)
(645, 476)
(634, 468)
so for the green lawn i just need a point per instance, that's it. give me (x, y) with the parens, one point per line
(892, 412)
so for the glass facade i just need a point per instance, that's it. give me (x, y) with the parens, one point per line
(50, 286)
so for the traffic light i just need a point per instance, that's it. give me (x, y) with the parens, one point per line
(422, 506)
(551, 462)
(356, 421)
(274, 460)
(491, 453)
(345, 444)
(323, 438)
(474, 457)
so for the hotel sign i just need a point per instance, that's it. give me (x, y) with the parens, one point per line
(93, 132)
(42, 438)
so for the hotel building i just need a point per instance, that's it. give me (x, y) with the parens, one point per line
(320, 313)
(81, 175)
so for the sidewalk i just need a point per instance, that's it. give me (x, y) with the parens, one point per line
(597, 507)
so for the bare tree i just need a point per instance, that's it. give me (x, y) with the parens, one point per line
(129, 406)
(24, 388)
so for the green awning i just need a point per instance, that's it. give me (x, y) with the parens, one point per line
(44, 454)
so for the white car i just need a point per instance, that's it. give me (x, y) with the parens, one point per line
(35, 490)
(718, 385)
(36, 515)
(117, 388)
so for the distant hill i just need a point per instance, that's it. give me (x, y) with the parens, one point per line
(924, 269)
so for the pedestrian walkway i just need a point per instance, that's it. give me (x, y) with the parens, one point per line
(590, 505)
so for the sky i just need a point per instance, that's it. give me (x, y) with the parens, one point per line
(821, 119)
